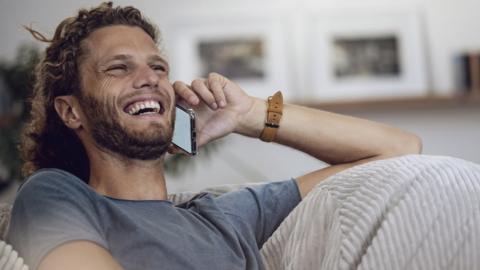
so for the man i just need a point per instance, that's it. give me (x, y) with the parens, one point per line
(102, 115)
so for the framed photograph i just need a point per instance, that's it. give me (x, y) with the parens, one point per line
(235, 58)
(360, 55)
(252, 52)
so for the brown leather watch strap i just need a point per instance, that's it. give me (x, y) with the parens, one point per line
(274, 114)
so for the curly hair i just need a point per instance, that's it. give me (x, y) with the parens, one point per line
(46, 142)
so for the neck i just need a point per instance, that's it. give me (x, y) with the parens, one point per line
(127, 179)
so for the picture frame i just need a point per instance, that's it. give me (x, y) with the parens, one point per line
(367, 55)
(245, 50)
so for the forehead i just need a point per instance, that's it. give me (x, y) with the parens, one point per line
(119, 39)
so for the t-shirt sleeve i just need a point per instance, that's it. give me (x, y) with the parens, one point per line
(262, 208)
(52, 208)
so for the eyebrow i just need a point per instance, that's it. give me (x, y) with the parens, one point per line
(117, 57)
(155, 58)
(124, 57)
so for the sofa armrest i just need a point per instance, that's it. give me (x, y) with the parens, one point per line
(5, 210)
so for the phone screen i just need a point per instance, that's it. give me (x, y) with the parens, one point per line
(184, 130)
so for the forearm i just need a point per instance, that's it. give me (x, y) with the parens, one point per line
(333, 138)
(339, 140)
(330, 137)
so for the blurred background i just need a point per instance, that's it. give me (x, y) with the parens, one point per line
(413, 64)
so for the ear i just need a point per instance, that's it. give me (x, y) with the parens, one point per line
(68, 109)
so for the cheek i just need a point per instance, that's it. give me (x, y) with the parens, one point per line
(171, 93)
(107, 93)
(105, 84)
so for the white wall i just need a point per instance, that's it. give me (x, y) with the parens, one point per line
(453, 131)
(450, 27)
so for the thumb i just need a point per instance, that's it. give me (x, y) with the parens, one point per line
(202, 139)
(173, 150)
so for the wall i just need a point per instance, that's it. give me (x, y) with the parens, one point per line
(453, 131)
(449, 27)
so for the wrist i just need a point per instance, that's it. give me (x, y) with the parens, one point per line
(274, 115)
(252, 122)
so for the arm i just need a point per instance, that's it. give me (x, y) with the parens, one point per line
(54, 226)
(79, 255)
(339, 140)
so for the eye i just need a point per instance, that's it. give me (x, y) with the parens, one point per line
(160, 68)
(120, 67)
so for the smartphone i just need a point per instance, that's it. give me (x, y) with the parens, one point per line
(184, 136)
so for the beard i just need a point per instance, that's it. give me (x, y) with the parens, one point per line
(109, 134)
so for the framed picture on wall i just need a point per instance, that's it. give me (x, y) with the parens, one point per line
(252, 52)
(241, 58)
(360, 55)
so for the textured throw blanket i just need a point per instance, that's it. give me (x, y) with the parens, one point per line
(413, 212)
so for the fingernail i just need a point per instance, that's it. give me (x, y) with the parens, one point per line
(222, 104)
(214, 105)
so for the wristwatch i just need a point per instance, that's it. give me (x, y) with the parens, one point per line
(274, 114)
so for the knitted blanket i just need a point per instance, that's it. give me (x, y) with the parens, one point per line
(413, 212)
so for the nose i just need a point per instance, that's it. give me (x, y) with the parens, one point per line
(146, 78)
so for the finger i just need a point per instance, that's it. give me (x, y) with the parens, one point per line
(216, 83)
(200, 87)
(173, 150)
(185, 92)
(203, 139)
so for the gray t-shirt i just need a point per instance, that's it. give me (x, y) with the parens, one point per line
(225, 232)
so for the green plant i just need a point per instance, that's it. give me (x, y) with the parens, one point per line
(17, 76)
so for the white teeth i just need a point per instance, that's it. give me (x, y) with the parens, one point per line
(148, 104)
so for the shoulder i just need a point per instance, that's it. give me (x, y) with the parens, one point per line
(54, 197)
(51, 175)
(259, 209)
(53, 181)
(53, 207)
(260, 194)
(285, 189)
(53, 188)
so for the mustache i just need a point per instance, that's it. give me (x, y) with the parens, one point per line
(157, 91)
(109, 134)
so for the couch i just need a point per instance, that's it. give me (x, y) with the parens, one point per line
(410, 212)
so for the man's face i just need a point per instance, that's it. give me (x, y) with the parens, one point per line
(126, 95)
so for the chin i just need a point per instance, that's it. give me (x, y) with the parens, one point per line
(155, 133)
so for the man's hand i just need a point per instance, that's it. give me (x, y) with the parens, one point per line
(339, 140)
(220, 105)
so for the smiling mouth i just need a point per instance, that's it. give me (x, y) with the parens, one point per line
(146, 107)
